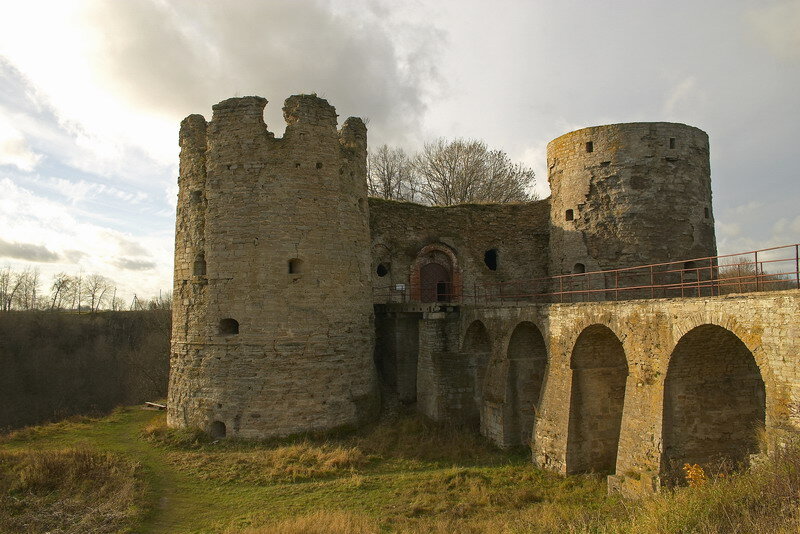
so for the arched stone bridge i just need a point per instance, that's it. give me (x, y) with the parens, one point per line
(633, 389)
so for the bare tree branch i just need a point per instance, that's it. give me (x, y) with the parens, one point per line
(460, 171)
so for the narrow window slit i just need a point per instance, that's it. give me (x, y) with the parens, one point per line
(295, 266)
(490, 259)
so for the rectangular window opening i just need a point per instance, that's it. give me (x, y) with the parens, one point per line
(589, 146)
(570, 215)
(672, 142)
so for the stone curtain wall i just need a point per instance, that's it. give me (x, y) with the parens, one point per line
(274, 335)
(629, 194)
(702, 352)
(518, 232)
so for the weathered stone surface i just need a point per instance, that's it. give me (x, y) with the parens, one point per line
(403, 234)
(642, 195)
(729, 355)
(251, 209)
(279, 259)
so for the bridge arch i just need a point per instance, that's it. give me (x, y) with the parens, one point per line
(477, 348)
(714, 401)
(527, 367)
(599, 375)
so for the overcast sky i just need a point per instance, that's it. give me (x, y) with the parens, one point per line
(92, 95)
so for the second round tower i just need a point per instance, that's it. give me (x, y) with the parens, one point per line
(629, 194)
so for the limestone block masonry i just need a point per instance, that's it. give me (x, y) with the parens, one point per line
(629, 194)
(285, 277)
(273, 320)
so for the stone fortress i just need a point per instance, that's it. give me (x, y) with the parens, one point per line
(299, 303)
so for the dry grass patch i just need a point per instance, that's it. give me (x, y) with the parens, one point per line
(462, 493)
(413, 437)
(319, 522)
(762, 500)
(412, 440)
(28, 433)
(67, 491)
(289, 463)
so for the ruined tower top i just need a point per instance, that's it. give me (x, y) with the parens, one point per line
(272, 272)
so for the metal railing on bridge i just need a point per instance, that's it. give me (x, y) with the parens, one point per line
(758, 270)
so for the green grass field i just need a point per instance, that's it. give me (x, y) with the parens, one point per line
(128, 473)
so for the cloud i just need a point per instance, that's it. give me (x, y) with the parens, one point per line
(786, 230)
(14, 149)
(81, 190)
(71, 243)
(27, 252)
(754, 206)
(135, 265)
(91, 124)
(678, 93)
(536, 158)
(74, 256)
(114, 84)
(776, 26)
(128, 246)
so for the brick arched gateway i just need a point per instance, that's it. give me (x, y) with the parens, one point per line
(436, 275)
(714, 401)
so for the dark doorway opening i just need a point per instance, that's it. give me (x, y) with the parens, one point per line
(442, 293)
(435, 282)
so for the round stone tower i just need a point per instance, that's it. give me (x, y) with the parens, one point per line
(629, 194)
(272, 329)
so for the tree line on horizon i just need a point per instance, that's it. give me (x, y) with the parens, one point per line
(60, 364)
(22, 290)
(445, 173)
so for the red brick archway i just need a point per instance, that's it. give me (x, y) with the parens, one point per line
(435, 275)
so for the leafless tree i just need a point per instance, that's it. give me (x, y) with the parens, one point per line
(460, 171)
(59, 289)
(20, 289)
(31, 297)
(5, 287)
(75, 291)
(117, 303)
(96, 289)
(741, 274)
(161, 302)
(390, 174)
(136, 304)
